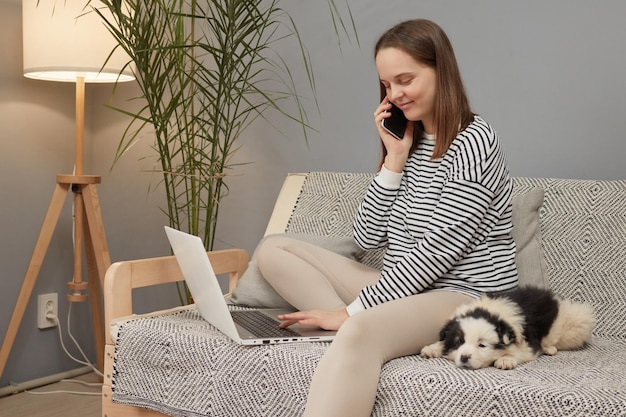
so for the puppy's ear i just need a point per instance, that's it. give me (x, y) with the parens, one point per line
(451, 336)
(449, 327)
(505, 333)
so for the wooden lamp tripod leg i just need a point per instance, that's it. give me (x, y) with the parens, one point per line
(41, 247)
(89, 222)
(98, 261)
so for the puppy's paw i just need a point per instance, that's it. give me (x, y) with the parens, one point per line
(432, 351)
(505, 362)
(549, 350)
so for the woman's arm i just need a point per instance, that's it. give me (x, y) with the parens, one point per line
(372, 217)
(370, 223)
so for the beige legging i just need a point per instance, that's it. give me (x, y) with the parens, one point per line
(346, 379)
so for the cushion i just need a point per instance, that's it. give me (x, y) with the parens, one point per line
(254, 291)
(529, 259)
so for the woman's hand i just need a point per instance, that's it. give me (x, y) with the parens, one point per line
(327, 320)
(397, 150)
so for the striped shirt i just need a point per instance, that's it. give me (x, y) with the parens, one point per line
(445, 223)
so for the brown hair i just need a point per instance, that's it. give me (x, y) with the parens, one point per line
(428, 44)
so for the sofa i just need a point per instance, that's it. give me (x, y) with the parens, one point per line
(570, 235)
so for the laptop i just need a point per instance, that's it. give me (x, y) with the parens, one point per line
(248, 327)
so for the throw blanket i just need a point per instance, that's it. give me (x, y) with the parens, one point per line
(180, 365)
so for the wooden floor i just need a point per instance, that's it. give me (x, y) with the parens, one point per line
(55, 405)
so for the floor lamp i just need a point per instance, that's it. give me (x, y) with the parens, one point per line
(68, 42)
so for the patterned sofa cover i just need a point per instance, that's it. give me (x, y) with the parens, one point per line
(177, 364)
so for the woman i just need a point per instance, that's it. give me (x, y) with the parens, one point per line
(440, 205)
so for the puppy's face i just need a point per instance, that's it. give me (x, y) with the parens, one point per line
(475, 341)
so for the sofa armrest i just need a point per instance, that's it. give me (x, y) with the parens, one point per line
(122, 277)
(285, 203)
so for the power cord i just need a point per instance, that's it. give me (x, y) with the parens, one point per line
(72, 381)
(86, 361)
(69, 332)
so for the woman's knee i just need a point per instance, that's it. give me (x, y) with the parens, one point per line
(269, 249)
(357, 333)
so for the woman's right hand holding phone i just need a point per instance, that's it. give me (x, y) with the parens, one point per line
(397, 150)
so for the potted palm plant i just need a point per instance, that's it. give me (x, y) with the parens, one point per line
(207, 70)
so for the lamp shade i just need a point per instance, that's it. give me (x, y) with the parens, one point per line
(67, 39)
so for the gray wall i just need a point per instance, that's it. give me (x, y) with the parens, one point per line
(548, 75)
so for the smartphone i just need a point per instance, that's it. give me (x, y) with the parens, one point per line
(396, 123)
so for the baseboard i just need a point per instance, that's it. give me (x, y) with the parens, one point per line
(39, 382)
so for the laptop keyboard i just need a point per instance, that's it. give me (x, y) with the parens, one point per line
(260, 324)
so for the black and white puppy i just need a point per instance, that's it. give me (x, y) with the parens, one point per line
(511, 328)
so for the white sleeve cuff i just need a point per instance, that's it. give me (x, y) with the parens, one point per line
(389, 179)
(355, 307)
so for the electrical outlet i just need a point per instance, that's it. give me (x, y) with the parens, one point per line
(47, 303)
